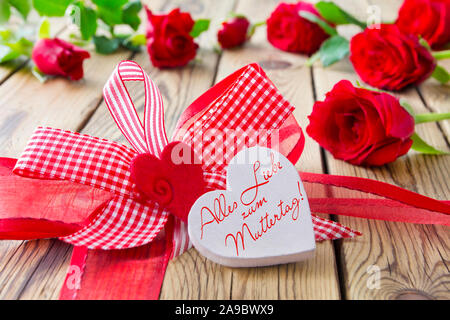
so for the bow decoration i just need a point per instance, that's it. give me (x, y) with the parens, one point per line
(248, 112)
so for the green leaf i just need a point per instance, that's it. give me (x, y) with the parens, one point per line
(12, 47)
(5, 11)
(85, 18)
(110, 11)
(106, 45)
(112, 4)
(7, 54)
(421, 146)
(333, 49)
(334, 14)
(44, 29)
(200, 26)
(110, 16)
(51, 8)
(130, 14)
(331, 12)
(441, 75)
(88, 24)
(313, 18)
(22, 46)
(23, 6)
(431, 117)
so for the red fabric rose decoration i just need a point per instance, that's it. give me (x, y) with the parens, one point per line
(288, 31)
(57, 57)
(169, 42)
(429, 19)
(361, 126)
(388, 59)
(233, 32)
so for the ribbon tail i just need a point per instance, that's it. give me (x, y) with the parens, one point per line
(330, 230)
(371, 199)
(37, 209)
(101, 274)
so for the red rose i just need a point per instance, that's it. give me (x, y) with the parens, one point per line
(57, 57)
(288, 31)
(361, 126)
(233, 32)
(388, 59)
(429, 19)
(169, 43)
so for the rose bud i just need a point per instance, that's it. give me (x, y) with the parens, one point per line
(388, 59)
(429, 19)
(233, 32)
(361, 126)
(288, 31)
(169, 42)
(57, 57)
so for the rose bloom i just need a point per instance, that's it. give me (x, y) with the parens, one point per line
(233, 32)
(169, 43)
(288, 31)
(57, 57)
(388, 59)
(361, 126)
(429, 19)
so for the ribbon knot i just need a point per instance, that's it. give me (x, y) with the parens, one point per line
(174, 181)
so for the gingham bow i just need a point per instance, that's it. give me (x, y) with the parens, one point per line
(249, 103)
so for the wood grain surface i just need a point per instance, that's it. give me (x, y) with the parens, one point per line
(412, 259)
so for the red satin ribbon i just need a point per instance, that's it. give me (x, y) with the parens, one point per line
(338, 195)
(371, 199)
(129, 274)
(36, 209)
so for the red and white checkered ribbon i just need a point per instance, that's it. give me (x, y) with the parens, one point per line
(250, 104)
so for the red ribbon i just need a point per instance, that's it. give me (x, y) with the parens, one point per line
(103, 209)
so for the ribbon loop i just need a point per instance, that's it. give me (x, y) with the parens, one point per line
(149, 137)
(243, 114)
(63, 155)
(121, 223)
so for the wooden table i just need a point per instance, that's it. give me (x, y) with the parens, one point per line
(412, 259)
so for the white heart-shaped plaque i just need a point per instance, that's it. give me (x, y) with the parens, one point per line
(263, 218)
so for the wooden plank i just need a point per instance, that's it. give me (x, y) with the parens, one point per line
(190, 276)
(41, 271)
(8, 68)
(316, 278)
(412, 259)
(387, 9)
(33, 269)
(27, 103)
